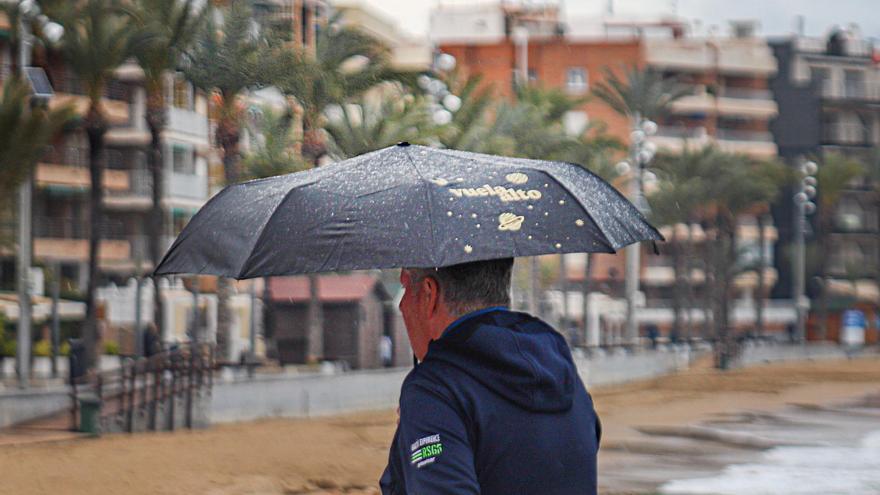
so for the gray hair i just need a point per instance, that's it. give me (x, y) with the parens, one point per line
(471, 286)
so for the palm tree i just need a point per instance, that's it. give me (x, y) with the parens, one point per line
(345, 64)
(365, 126)
(470, 121)
(678, 198)
(24, 134)
(641, 94)
(97, 39)
(226, 64)
(835, 174)
(273, 152)
(169, 28)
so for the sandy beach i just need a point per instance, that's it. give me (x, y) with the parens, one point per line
(652, 429)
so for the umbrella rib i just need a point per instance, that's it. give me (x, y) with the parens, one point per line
(428, 195)
(246, 265)
(606, 241)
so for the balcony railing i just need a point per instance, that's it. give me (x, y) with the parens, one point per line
(74, 156)
(680, 132)
(854, 90)
(846, 133)
(744, 135)
(67, 83)
(747, 93)
(70, 228)
(140, 183)
(126, 160)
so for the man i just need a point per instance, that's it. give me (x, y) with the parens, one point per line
(495, 405)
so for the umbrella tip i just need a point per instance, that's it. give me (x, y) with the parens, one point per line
(403, 144)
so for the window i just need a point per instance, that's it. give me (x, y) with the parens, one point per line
(576, 80)
(183, 160)
(179, 93)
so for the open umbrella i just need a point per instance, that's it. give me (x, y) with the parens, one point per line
(404, 206)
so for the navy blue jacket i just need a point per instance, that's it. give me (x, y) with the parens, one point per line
(496, 407)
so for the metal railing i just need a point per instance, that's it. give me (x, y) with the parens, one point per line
(746, 93)
(69, 228)
(856, 90)
(681, 132)
(143, 394)
(68, 83)
(744, 135)
(74, 156)
(848, 133)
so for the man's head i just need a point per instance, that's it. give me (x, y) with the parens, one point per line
(435, 297)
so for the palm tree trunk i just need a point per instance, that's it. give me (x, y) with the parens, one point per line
(534, 283)
(95, 130)
(678, 283)
(228, 137)
(762, 283)
(709, 254)
(825, 296)
(689, 282)
(315, 342)
(587, 287)
(156, 119)
(563, 288)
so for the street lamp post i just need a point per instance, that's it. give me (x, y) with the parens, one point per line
(29, 12)
(803, 206)
(641, 153)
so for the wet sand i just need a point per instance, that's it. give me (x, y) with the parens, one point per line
(673, 427)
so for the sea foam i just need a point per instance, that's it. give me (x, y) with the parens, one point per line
(841, 470)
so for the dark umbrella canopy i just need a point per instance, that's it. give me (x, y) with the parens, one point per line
(404, 206)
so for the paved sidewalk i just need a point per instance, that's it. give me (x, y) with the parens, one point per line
(54, 428)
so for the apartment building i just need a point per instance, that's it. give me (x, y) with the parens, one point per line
(828, 91)
(61, 179)
(730, 104)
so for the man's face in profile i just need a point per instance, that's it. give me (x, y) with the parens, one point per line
(413, 308)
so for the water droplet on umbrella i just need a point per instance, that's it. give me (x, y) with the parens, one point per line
(468, 248)
(546, 213)
(448, 213)
(531, 207)
(558, 245)
(478, 225)
(530, 237)
(546, 185)
(579, 222)
(562, 201)
(473, 215)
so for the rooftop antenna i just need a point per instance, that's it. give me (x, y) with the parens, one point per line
(610, 7)
(673, 4)
(799, 25)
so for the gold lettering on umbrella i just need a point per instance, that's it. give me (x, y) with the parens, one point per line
(501, 192)
(509, 221)
(517, 178)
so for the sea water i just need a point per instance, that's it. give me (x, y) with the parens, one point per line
(839, 470)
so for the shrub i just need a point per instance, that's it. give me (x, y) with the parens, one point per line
(43, 348)
(111, 348)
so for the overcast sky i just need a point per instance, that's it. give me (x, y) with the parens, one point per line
(776, 17)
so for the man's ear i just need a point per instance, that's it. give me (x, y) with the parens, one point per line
(432, 296)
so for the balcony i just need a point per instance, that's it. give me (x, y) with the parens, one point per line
(66, 167)
(733, 101)
(186, 186)
(754, 143)
(138, 196)
(66, 239)
(850, 90)
(188, 122)
(115, 101)
(846, 134)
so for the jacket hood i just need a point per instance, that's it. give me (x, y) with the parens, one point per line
(516, 355)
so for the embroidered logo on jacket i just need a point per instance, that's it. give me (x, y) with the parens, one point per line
(425, 450)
